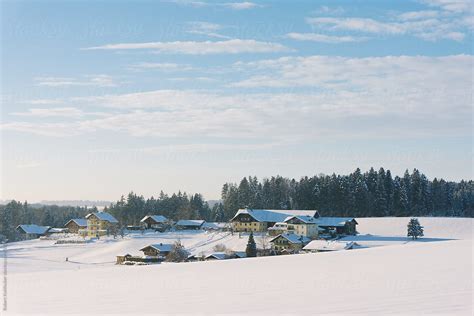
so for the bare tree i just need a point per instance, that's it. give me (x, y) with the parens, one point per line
(220, 248)
(177, 253)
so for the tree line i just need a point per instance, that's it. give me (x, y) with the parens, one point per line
(17, 213)
(178, 206)
(369, 194)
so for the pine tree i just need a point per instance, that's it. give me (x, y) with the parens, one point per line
(415, 230)
(251, 250)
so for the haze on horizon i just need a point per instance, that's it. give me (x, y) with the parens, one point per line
(98, 101)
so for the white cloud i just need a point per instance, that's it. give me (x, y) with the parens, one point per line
(234, 46)
(457, 6)
(324, 96)
(246, 5)
(342, 72)
(44, 101)
(241, 5)
(93, 80)
(207, 29)
(167, 67)
(416, 15)
(365, 25)
(51, 112)
(430, 29)
(203, 79)
(322, 38)
(326, 10)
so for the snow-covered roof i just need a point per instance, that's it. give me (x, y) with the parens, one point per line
(160, 247)
(217, 255)
(214, 225)
(34, 229)
(57, 230)
(81, 222)
(103, 216)
(324, 245)
(240, 254)
(334, 221)
(190, 222)
(304, 218)
(279, 226)
(156, 218)
(293, 238)
(274, 216)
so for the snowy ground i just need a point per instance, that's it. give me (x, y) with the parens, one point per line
(392, 275)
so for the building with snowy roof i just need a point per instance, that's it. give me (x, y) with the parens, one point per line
(217, 256)
(189, 224)
(100, 224)
(338, 225)
(75, 224)
(158, 222)
(247, 220)
(155, 250)
(289, 242)
(32, 231)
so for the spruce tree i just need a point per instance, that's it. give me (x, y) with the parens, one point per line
(251, 250)
(415, 230)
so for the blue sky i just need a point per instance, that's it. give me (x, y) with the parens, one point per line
(100, 98)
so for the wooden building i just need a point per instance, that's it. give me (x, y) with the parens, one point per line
(250, 220)
(74, 225)
(189, 224)
(302, 226)
(289, 242)
(158, 222)
(157, 250)
(32, 231)
(338, 225)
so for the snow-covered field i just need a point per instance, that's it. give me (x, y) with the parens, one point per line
(391, 275)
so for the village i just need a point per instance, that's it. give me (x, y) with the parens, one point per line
(267, 232)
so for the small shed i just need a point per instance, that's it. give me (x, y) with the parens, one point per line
(217, 256)
(326, 246)
(122, 259)
(189, 224)
(240, 254)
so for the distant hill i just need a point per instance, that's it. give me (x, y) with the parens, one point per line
(89, 203)
(99, 204)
